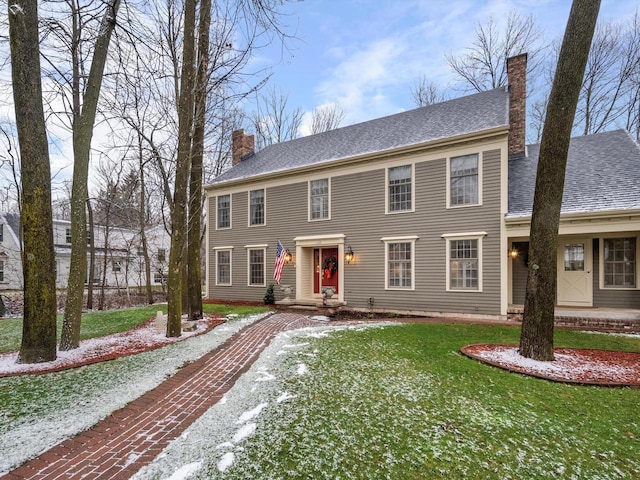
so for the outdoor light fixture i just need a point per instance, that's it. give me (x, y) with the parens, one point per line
(348, 255)
(513, 253)
(288, 257)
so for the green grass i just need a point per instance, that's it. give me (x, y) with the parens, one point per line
(401, 402)
(99, 324)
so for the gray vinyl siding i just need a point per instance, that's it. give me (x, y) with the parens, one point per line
(358, 212)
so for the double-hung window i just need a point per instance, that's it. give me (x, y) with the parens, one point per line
(464, 174)
(464, 261)
(319, 199)
(400, 187)
(224, 211)
(256, 207)
(619, 262)
(400, 262)
(256, 259)
(223, 267)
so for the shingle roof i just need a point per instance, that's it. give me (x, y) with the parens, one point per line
(473, 113)
(603, 173)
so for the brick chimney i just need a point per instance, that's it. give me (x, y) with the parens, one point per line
(241, 146)
(517, 77)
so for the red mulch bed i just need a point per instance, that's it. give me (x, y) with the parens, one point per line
(607, 368)
(140, 339)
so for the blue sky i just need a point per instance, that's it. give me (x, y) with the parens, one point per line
(367, 54)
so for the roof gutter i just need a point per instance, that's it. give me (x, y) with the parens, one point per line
(579, 216)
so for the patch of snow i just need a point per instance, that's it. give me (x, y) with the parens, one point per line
(251, 414)
(321, 318)
(226, 461)
(284, 397)
(244, 432)
(302, 369)
(265, 376)
(186, 471)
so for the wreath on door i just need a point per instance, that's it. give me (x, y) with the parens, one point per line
(329, 267)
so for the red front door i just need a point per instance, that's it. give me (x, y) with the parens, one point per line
(325, 261)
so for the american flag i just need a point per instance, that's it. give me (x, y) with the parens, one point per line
(281, 254)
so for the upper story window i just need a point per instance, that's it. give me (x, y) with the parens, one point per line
(1, 232)
(619, 261)
(400, 262)
(464, 180)
(319, 199)
(256, 207)
(224, 211)
(117, 266)
(162, 255)
(400, 187)
(1, 270)
(68, 235)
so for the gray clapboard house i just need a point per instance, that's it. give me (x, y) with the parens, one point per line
(424, 211)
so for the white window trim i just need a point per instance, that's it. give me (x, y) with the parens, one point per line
(224, 249)
(405, 239)
(601, 263)
(413, 190)
(248, 249)
(463, 236)
(230, 212)
(480, 162)
(264, 223)
(328, 200)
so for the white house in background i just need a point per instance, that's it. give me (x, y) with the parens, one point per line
(118, 259)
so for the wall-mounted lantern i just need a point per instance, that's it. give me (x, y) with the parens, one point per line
(348, 255)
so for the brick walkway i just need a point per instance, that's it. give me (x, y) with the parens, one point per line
(130, 438)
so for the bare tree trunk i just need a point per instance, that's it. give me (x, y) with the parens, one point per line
(178, 217)
(195, 183)
(536, 340)
(92, 256)
(38, 260)
(82, 132)
(142, 219)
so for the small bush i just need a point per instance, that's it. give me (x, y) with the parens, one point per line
(269, 296)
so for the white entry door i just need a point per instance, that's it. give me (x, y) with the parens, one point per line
(575, 272)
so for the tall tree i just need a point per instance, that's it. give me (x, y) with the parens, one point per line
(183, 161)
(483, 65)
(83, 122)
(426, 93)
(194, 270)
(326, 117)
(39, 319)
(273, 121)
(536, 340)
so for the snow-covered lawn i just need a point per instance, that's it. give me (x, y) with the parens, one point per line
(77, 399)
(365, 402)
(337, 402)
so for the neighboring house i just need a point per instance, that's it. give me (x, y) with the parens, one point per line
(118, 254)
(423, 212)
